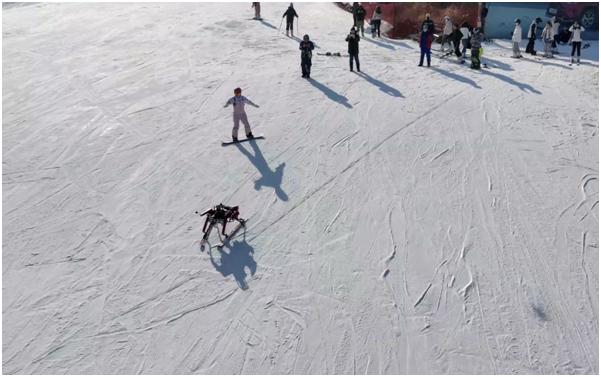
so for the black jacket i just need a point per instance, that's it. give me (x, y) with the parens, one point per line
(429, 24)
(360, 13)
(290, 13)
(353, 44)
(306, 48)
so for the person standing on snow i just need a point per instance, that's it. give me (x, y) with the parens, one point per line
(360, 16)
(555, 28)
(257, 7)
(306, 47)
(290, 13)
(446, 33)
(465, 32)
(354, 12)
(516, 38)
(532, 36)
(376, 20)
(547, 37)
(425, 41)
(576, 38)
(238, 101)
(456, 37)
(476, 42)
(353, 48)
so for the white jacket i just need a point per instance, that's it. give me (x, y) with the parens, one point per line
(517, 34)
(466, 32)
(555, 25)
(547, 34)
(448, 26)
(533, 27)
(376, 16)
(238, 104)
(576, 33)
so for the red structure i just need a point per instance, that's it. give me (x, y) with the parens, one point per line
(406, 18)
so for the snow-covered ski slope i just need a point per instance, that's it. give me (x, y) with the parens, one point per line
(408, 220)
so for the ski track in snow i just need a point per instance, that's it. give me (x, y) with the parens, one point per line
(402, 221)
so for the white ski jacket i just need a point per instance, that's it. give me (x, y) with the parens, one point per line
(466, 33)
(238, 104)
(576, 33)
(517, 34)
(448, 26)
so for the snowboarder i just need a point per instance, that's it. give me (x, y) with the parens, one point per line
(476, 42)
(353, 48)
(465, 32)
(306, 47)
(532, 36)
(516, 38)
(555, 27)
(360, 19)
(376, 20)
(456, 37)
(425, 41)
(547, 37)
(429, 24)
(576, 38)
(257, 7)
(238, 101)
(220, 214)
(446, 33)
(290, 13)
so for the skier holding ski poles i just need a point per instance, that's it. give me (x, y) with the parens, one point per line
(238, 101)
(290, 13)
(220, 214)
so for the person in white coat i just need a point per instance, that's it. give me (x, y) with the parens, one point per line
(516, 39)
(576, 38)
(446, 33)
(238, 101)
(465, 31)
(547, 37)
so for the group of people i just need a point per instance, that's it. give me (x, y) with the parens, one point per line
(359, 19)
(550, 36)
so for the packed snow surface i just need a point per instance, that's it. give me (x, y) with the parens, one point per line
(405, 220)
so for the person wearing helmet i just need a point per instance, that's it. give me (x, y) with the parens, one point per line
(532, 36)
(446, 33)
(576, 38)
(238, 101)
(306, 47)
(290, 13)
(353, 48)
(516, 38)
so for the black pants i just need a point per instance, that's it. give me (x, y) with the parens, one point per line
(427, 53)
(530, 46)
(290, 25)
(350, 60)
(576, 47)
(555, 40)
(376, 26)
(306, 65)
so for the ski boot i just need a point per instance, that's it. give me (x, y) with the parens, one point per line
(250, 135)
(235, 139)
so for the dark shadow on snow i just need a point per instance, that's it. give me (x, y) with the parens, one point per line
(268, 24)
(522, 86)
(496, 64)
(457, 77)
(397, 43)
(382, 86)
(268, 177)
(378, 43)
(238, 261)
(547, 63)
(330, 93)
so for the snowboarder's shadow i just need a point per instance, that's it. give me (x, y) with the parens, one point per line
(268, 177)
(238, 261)
(381, 85)
(385, 45)
(456, 77)
(331, 94)
(522, 86)
(268, 24)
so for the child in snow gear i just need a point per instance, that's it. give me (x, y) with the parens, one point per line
(547, 37)
(360, 19)
(532, 36)
(353, 48)
(376, 20)
(425, 42)
(576, 38)
(465, 32)
(446, 33)
(290, 13)
(238, 101)
(516, 38)
(476, 42)
(257, 7)
(306, 47)
(219, 214)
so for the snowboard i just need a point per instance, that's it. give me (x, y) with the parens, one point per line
(224, 143)
(232, 234)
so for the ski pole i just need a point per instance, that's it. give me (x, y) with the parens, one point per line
(297, 27)
(280, 28)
